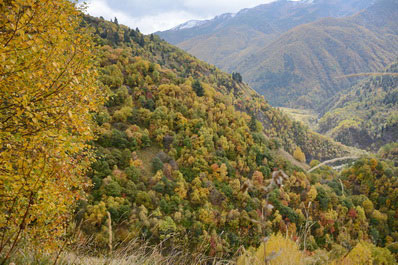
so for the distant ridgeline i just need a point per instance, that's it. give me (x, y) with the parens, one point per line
(293, 52)
(189, 156)
(302, 67)
(367, 115)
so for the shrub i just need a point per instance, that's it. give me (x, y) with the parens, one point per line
(299, 155)
(278, 250)
(157, 164)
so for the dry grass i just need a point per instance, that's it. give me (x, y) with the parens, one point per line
(146, 155)
(134, 253)
(138, 258)
(292, 160)
(308, 117)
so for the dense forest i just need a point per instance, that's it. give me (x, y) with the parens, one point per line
(366, 116)
(119, 137)
(277, 126)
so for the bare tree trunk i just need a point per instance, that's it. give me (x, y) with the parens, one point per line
(22, 227)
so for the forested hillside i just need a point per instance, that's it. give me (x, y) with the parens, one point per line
(120, 139)
(180, 66)
(366, 116)
(177, 126)
(183, 158)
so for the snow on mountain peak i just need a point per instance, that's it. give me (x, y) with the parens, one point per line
(189, 24)
(195, 23)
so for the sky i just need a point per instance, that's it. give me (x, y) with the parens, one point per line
(157, 15)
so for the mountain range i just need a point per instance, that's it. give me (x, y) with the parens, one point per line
(297, 53)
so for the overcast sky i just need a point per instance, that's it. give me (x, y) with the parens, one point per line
(153, 15)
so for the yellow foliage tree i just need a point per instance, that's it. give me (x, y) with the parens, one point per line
(47, 91)
(360, 255)
(278, 250)
(365, 253)
(299, 155)
(312, 193)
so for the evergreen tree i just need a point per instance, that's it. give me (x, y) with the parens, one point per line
(198, 88)
(126, 36)
(252, 124)
(237, 77)
(141, 40)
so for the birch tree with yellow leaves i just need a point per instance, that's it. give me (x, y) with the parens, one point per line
(48, 90)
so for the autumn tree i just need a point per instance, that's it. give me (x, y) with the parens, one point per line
(299, 155)
(367, 253)
(276, 250)
(48, 91)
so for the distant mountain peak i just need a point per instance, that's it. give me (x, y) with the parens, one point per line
(225, 16)
(189, 24)
(270, 45)
(196, 23)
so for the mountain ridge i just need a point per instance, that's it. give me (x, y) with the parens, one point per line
(272, 12)
(367, 116)
(305, 61)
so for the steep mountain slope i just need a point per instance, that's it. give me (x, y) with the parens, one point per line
(276, 125)
(366, 117)
(186, 150)
(227, 39)
(303, 67)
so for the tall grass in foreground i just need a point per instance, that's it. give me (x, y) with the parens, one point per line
(134, 253)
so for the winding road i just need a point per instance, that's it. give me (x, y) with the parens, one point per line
(332, 161)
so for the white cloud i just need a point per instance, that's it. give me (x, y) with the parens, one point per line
(153, 15)
(164, 21)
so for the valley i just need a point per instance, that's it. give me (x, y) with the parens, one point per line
(307, 117)
(303, 59)
(122, 148)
